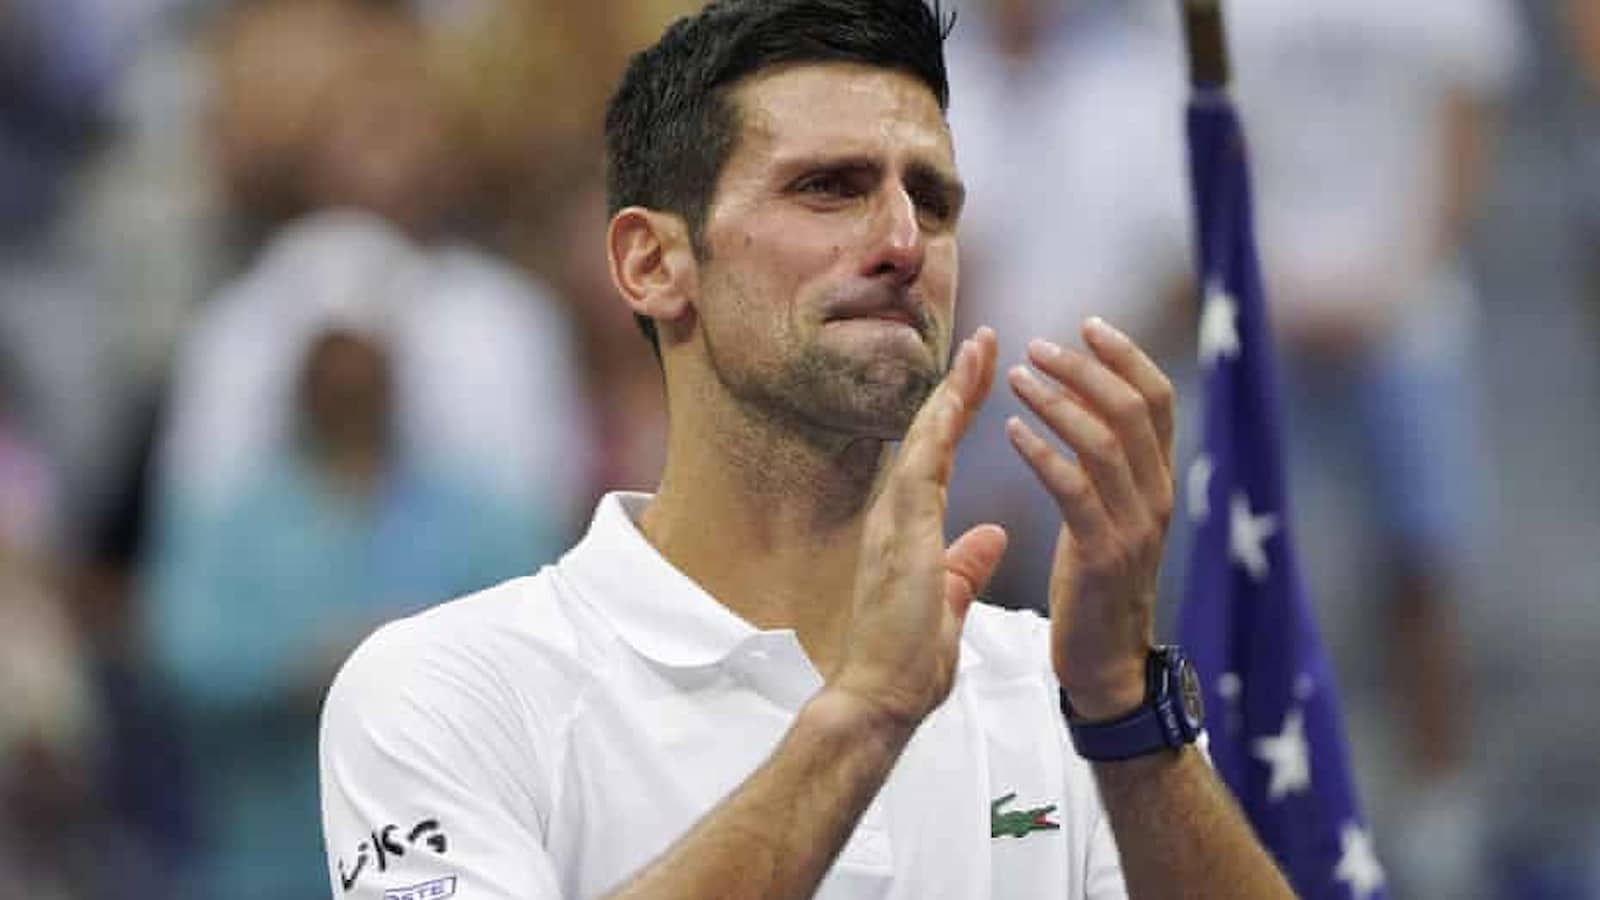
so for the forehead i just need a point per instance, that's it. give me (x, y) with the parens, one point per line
(839, 109)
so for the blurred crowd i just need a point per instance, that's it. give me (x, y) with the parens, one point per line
(305, 324)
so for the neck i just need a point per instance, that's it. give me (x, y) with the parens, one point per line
(769, 524)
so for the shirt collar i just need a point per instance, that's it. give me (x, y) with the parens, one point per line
(655, 608)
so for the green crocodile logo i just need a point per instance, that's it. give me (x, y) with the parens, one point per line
(1019, 822)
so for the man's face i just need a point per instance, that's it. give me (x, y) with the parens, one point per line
(827, 296)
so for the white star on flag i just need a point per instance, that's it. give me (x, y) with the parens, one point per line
(1288, 756)
(1200, 472)
(1229, 685)
(1358, 865)
(1304, 687)
(1219, 326)
(1246, 534)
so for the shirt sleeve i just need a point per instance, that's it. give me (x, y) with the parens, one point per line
(431, 781)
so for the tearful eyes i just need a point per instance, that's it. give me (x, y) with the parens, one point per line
(934, 203)
(930, 202)
(828, 184)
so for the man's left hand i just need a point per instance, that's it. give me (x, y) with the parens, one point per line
(1114, 408)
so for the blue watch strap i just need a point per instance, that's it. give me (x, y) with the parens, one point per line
(1137, 734)
(1163, 721)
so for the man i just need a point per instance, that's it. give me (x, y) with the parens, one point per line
(769, 680)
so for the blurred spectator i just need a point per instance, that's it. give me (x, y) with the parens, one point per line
(482, 357)
(253, 607)
(1068, 134)
(1361, 250)
(484, 353)
(375, 416)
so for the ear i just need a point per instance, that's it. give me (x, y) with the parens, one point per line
(653, 263)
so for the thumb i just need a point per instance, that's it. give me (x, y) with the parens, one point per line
(969, 563)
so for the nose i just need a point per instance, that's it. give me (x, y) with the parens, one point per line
(899, 245)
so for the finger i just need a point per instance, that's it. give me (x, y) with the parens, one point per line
(1099, 449)
(1067, 482)
(989, 351)
(1116, 403)
(1123, 356)
(969, 564)
(928, 452)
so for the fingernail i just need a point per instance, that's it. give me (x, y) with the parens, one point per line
(1018, 431)
(1043, 349)
(1104, 330)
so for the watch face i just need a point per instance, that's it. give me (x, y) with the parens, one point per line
(1194, 704)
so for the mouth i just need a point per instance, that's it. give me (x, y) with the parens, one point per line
(904, 313)
(892, 316)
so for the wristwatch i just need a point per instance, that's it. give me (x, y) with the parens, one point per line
(1169, 718)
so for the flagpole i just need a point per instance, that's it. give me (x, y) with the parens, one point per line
(1207, 39)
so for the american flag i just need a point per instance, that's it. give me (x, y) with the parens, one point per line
(1272, 708)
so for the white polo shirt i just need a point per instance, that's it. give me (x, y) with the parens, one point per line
(549, 737)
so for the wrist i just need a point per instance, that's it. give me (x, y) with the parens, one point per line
(844, 713)
(1169, 716)
(1108, 694)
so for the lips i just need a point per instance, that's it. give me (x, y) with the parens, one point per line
(882, 315)
(897, 308)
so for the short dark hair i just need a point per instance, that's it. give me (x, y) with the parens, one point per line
(670, 127)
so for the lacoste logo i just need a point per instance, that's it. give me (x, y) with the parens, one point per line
(1019, 823)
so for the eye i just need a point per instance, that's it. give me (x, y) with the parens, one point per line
(819, 184)
(829, 184)
(935, 203)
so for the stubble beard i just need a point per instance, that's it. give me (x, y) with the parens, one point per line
(827, 396)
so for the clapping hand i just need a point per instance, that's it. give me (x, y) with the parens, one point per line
(1114, 409)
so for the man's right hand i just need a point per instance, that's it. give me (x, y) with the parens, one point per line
(912, 592)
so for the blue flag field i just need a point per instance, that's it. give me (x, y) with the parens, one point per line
(1272, 707)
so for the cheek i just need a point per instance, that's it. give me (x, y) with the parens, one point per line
(941, 275)
(748, 299)
(954, 266)
(790, 264)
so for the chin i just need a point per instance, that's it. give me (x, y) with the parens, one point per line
(881, 401)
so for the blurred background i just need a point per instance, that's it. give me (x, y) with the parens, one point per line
(305, 325)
